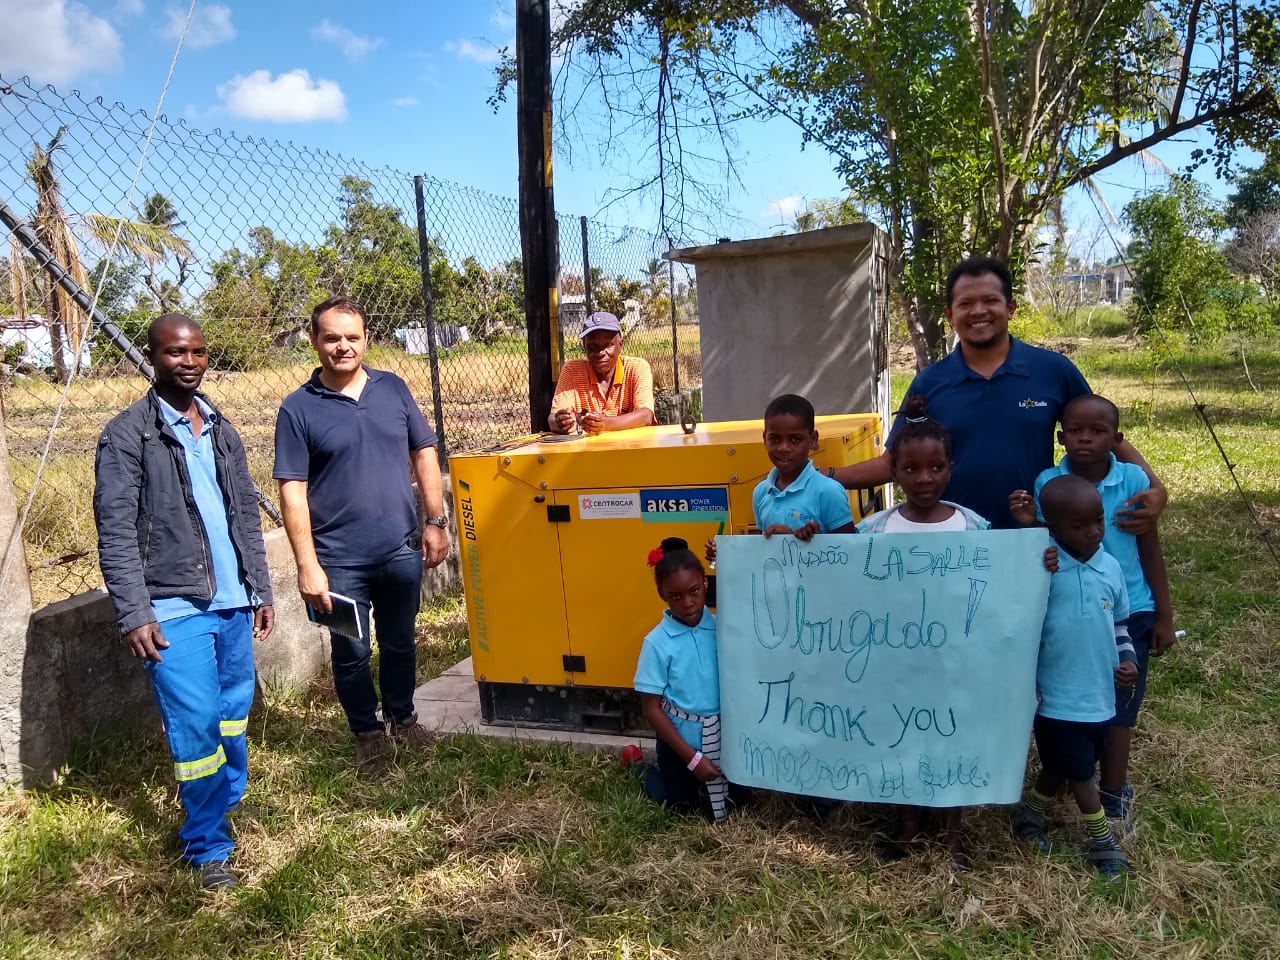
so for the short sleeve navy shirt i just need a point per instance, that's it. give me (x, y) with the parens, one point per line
(354, 455)
(1002, 429)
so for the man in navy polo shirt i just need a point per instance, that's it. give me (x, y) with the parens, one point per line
(345, 443)
(1001, 400)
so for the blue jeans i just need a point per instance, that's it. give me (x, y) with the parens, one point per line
(204, 688)
(394, 591)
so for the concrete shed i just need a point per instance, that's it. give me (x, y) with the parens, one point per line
(805, 313)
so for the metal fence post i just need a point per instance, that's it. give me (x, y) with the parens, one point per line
(586, 268)
(428, 306)
(675, 343)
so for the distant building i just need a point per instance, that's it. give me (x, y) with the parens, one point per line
(32, 334)
(1109, 284)
(573, 313)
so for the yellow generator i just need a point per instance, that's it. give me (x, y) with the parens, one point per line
(554, 535)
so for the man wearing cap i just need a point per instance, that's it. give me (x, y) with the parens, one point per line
(606, 391)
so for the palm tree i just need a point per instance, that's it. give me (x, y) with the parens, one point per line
(68, 323)
(151, 239)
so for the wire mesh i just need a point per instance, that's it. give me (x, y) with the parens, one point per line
(246, 235)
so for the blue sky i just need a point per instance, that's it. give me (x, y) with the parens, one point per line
(391, 83)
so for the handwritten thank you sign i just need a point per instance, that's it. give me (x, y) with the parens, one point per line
(891, 668)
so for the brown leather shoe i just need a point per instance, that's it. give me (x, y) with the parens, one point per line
(411, 733)
(371, 752)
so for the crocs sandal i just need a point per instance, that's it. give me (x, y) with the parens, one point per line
(1028, 826)
(1110, 862)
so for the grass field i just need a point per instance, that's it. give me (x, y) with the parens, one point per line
(480, 849)
(484, 394)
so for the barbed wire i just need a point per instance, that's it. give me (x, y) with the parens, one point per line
(246, 235)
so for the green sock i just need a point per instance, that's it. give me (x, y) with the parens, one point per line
(1099, 828)
(1037, 802)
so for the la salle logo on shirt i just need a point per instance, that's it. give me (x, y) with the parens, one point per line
(1031, 404)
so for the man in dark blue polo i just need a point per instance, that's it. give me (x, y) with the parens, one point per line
(1001, 401)
(345, 443)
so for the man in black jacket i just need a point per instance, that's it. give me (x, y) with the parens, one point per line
(183, 558)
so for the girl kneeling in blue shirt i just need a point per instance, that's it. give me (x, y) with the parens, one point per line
(678, 679)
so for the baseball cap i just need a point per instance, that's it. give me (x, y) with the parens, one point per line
(602, 320)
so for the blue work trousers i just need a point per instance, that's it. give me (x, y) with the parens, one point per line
(204, 688)
(394, 591)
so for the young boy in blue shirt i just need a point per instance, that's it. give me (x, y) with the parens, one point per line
(1090, 430)
(1084, 654)
(795, 497)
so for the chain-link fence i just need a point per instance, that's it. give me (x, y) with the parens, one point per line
(246, 235)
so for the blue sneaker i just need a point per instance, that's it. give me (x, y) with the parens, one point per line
(1028, 826)
(1108, 859)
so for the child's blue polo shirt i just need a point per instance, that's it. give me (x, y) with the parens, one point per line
(211, 504)
(1078, 646)
(1122, 481)
(680, 663)
(1002, 429)
(810, 496)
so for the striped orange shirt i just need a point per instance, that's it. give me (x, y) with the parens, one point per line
(577, 388)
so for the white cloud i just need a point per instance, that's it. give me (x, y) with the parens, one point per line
(292, 97)
(352, 45)
(405, 102)
(784, 209)
(55, 41)
(485, 53)
(128, 8)
(210, 25)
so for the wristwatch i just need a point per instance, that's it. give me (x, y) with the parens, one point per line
(440, 522)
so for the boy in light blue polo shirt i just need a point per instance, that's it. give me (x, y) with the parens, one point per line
(795, 497)
(1084, 654)
(1090, 429)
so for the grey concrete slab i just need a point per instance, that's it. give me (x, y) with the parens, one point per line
(451, 704)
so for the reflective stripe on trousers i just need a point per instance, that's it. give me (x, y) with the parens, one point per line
(204, 688)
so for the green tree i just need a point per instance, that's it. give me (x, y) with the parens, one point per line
(377, 259)
(1178, 269)
(151, 239)
(957, 124)
(486, 298)
(262, 296)
(611, 293)
(1256, 190)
